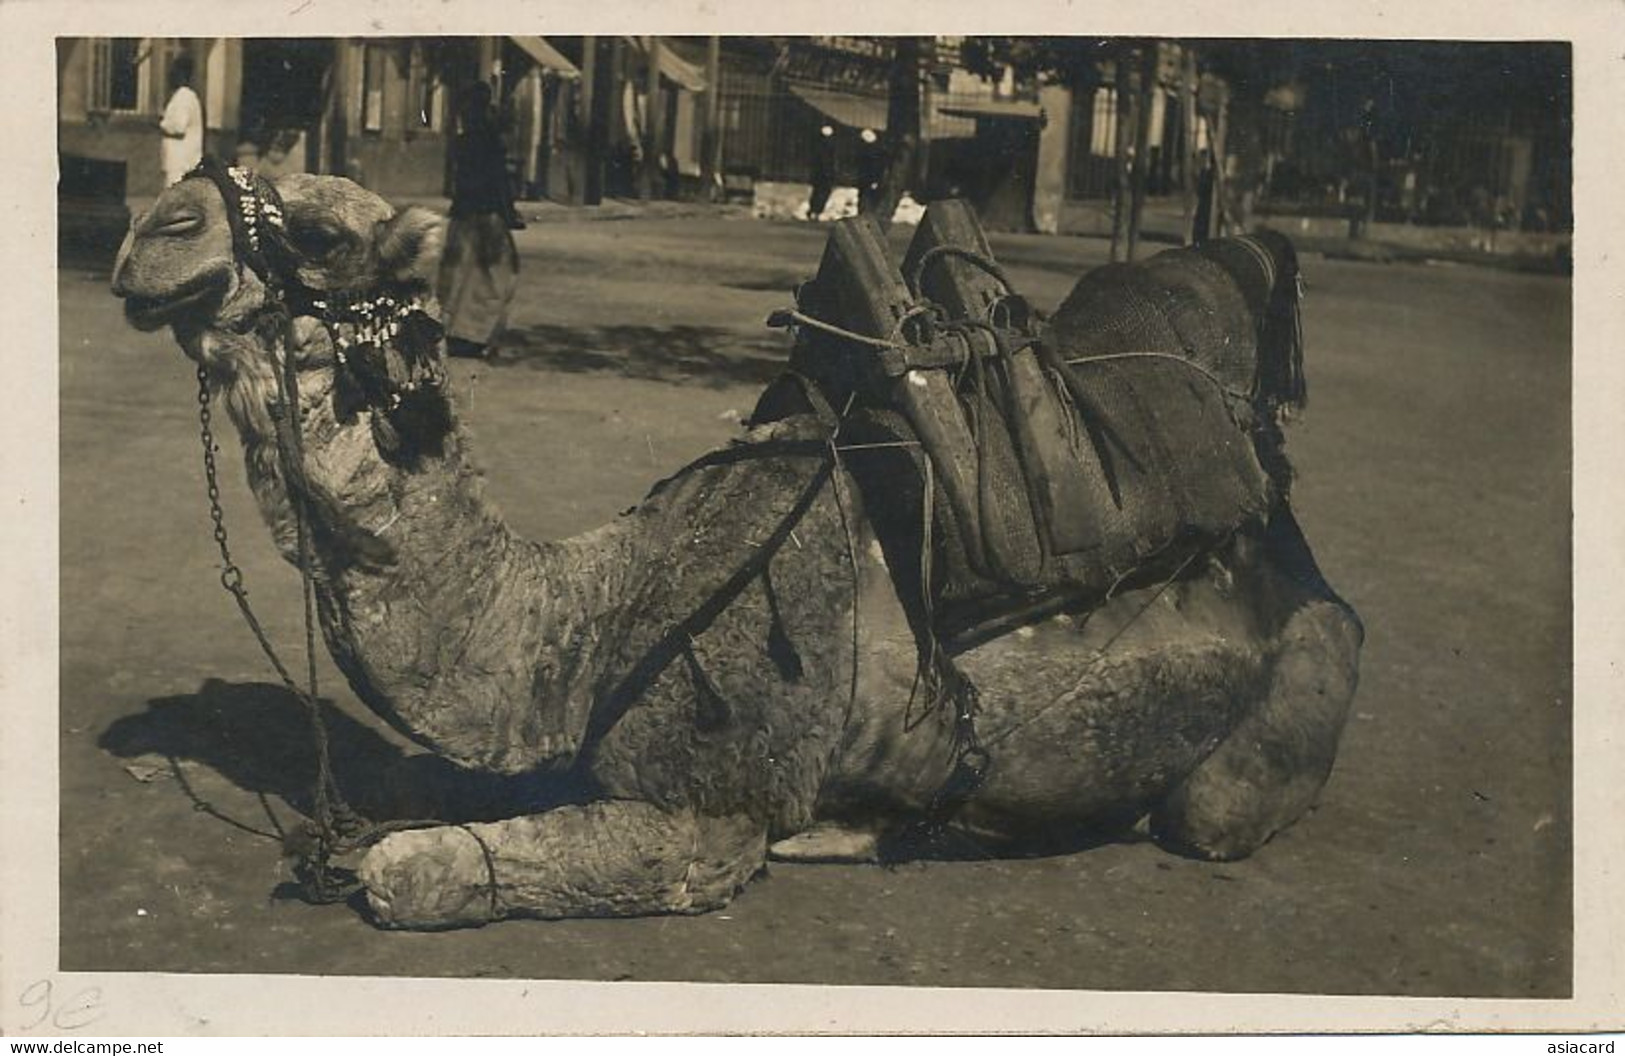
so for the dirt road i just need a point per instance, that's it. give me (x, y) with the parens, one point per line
(1434, 484)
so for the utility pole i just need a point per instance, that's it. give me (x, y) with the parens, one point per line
(650, 183)
(338, 113)
(590, 187)
(1222, 213)
(902, 127)
(1142, 153)
(1188, 118)
(711, 136)
(615, 132)
(1122, 146)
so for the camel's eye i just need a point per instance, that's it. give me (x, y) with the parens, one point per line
(319, 241)
(180, 224)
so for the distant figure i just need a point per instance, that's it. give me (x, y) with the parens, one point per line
(279, 158)
(182, 123)
(247, 155)
(823, 171)
(872, 162)
(1202, 226)
(480, 269)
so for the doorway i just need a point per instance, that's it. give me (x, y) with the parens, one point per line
(284, 98)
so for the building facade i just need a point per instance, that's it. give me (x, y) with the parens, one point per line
(578, 115)
(380, 110)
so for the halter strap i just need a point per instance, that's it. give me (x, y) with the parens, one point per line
(254, 209)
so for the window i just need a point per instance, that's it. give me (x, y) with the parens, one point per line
(1092, 145)
(373, 63)
(425, 92)
(118, 74)
(1159, 116)
(1103, 130)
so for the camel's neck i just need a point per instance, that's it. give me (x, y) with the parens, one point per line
(460, 633)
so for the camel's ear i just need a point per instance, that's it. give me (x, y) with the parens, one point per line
(410, 243)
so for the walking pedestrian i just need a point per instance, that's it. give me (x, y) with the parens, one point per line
(182, 123)
(823, 171)
(872, 164)
(480, 270)
(1206, 185)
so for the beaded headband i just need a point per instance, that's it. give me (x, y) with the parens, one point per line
(254, 210)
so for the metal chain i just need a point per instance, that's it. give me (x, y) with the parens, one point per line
(331, 813)
(334, 828)
(231, 577)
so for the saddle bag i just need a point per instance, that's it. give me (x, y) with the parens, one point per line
(1001, 473)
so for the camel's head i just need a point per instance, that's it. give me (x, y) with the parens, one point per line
(240, 268)
(203, 255)
(177, 263)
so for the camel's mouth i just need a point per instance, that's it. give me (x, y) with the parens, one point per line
(201, 296)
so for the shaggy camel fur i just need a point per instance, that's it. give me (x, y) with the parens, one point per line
(718, 690)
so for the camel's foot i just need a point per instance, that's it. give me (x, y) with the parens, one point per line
(829, 842)
(1268, 771)
(608, 859)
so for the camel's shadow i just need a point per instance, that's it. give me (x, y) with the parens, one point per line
(259, 738)
(703, 355)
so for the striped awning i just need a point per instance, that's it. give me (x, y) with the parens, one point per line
(1010, 109)
(847, 108)
(673, 66)
(547, 56)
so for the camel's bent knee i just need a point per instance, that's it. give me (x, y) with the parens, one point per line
(1269, 770)
(600, 860)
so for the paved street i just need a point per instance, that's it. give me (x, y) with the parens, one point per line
(1434, 485)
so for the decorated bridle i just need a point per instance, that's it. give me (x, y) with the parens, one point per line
(384, 363)
(385, 338)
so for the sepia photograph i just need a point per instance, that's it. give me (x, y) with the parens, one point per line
(1027, 512)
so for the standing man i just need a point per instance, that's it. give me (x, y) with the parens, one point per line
(182, 123)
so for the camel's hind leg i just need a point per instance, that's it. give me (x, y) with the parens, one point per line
(1268, 771)
(610, 859)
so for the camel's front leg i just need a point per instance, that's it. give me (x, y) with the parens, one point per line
(611, 859)
(1272, 766)
(1269, 770)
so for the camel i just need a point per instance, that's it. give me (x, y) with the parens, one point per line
(728, 671)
